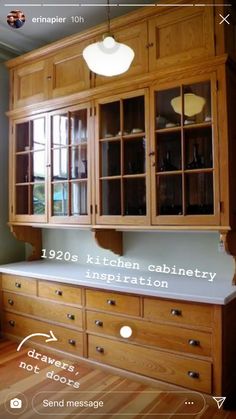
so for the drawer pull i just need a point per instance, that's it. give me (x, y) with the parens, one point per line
(193, 374)
(111, 302)
(176, 312)
(70, 316)
(126, 332)
(17, 284)
(58, 292)
(11, 323)
(72, 342)
(98, 323)
(194, 342)
(11, 302)
(100, 349)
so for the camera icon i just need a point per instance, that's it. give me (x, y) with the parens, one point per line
(15, 403)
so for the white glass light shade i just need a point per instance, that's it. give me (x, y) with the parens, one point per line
(108, 58)
(193, 104)
(126, 332)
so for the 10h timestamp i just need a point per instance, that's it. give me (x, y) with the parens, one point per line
(59, 255)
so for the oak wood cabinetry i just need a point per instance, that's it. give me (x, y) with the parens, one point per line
(161, 167)
(180, 342)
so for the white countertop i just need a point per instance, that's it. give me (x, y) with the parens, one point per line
(174, 287)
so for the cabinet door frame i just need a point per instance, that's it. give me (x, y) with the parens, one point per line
(14, 217)
(188, 220)
(70, 219)
(120, 220)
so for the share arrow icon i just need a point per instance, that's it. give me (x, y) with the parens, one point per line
(219, 401)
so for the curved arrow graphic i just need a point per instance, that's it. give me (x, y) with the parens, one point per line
(51, 337)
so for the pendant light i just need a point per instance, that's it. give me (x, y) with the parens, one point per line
(193, 104)
(108, 57)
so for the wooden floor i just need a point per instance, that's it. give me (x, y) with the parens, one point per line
(122, 397)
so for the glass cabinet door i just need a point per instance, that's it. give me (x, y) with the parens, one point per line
(69, 166)
(184, 166)
(30, 170)
(121, 154)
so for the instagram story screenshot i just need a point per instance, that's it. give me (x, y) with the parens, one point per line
(118, 209)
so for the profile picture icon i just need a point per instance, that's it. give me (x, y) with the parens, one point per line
(16, 19)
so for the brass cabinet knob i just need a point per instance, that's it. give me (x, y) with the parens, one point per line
(111, 302)
(11, 302)
(17, 284)
(176, 312)
(70, 316)
(99, 349)
(72, 342)
(58, 292)
(193, 374)
(98, 323)
(194, 342)
(11, 323)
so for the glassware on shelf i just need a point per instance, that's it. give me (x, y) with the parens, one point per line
(167, 165)
(197, 161)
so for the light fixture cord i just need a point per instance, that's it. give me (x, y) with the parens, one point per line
(108, 17)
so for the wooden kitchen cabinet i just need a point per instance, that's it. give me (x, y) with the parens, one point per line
(113, 152)
(28, 161)
(122, 134)
(185, 169)
(30, 83)
(177, 38)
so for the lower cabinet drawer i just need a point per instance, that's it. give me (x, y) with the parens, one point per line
(60, 292)
(69, 315)
(178, 312)
(113, 302)
(192, 373)
(19, 284)
(152, 334)
(68, 340)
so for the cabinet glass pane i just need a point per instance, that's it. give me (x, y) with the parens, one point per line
(38, 165)
(111, 197)
(135, 196)
(78, 122)
(79, 198)
(134, 156)
(22, 168)
(168, 146)
(22, 199)
(60, 163)
(60, 130)
(38, 192)
(197, 103)
(165, 115)
(22, 137)
(60, 198)
(198, 148)
(38, 134)
(169, 195)
(110, 120)
(110, 165)
(133, 111)
(78, 162)
(199, 193)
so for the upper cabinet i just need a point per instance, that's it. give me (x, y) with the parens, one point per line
(185, 168)
(152, 148)
(178, 37)
(121, 167)
(160, 40)
(28, 165)
(30, 83)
